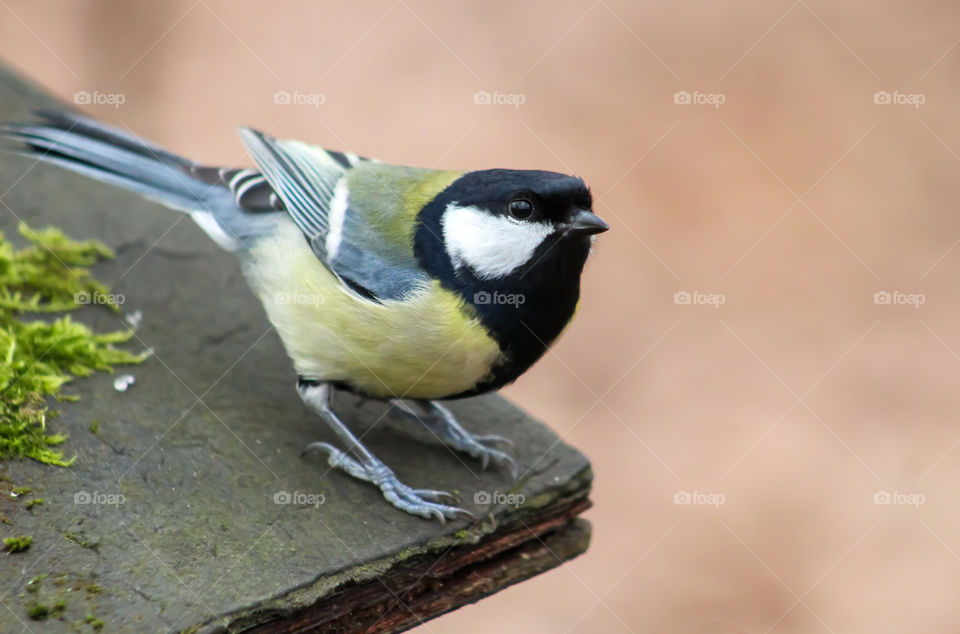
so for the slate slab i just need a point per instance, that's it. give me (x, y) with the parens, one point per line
(192, 507)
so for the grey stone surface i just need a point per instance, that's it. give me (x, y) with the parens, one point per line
(210, 432)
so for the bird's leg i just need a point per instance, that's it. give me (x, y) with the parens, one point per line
(443, 423)
(366, 466)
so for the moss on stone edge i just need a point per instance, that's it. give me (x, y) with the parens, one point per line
(17, 544)
(50, 274)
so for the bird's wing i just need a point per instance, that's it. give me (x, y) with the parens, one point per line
(357, 215)
(251, 191)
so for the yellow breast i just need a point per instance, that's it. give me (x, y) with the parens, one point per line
(427, 345)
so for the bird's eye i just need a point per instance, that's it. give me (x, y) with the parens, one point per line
(521, 208)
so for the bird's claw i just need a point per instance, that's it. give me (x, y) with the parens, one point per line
(422, 502)
(479, 446)
(484, 447)
(434, 496)
(496, 439)
(478, 449)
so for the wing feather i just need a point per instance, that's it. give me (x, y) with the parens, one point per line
(316, 187)
(282, 164)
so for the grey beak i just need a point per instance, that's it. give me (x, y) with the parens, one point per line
(583, 223)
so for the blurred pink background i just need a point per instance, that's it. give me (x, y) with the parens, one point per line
(784, 413)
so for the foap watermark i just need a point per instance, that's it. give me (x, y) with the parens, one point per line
(897, 98)
(699, 497)
(97, 98)
(486, 498)
(696, 298)
(497, 98)
(496, 298)
(697, 98)
(297, 98)
(900, 498)
(97, 497)
(298, 498)
(96, 297)
(304, 299)
(899, 298)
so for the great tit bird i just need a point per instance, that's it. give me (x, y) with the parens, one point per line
(391, 282)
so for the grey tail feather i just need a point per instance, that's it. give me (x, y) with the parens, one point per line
(96, 150)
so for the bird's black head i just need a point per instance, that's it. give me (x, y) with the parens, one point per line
(494, 223)
(523, 195)
(513, 243)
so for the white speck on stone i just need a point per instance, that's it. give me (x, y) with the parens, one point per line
(134, 319)
(123, 382)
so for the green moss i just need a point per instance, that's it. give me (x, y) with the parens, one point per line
(94, 427)
(94, 589)
(34, 502)
(94, 622)
(34, 584)
(18, 491)
(17, 544)
(38, 611)
(37, 358)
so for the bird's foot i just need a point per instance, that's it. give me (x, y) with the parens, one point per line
(485, 447)
(422, 502)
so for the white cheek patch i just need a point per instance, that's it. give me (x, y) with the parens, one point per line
(492, 246)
